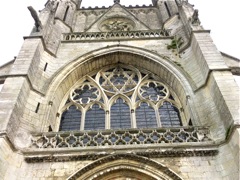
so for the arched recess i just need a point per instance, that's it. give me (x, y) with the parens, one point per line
(166, 71)
(125, 166)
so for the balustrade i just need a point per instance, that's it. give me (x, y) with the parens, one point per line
(128, 137)
(91, 36)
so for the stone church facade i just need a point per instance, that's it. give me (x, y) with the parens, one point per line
(138, 92)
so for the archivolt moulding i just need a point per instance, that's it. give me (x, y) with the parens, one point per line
(115, 164)
(144, 55)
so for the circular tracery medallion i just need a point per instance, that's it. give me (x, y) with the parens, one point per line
(117, 24)
(118, 80)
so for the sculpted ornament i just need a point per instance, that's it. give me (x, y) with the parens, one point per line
(34, 14)
(117, 24)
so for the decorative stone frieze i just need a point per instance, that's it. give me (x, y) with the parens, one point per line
(103, 36)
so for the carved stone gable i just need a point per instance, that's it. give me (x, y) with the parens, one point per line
(117, 18)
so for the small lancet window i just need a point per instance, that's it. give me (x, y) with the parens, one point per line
(167, 8)
(37, 108)
(120, 115)
(169, 115)
(57, 6)
(45, 67)
(66, 13)
(145, 116)
(95, 118)
(70, 119)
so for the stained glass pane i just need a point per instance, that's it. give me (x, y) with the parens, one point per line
(145, 116)
(95, 118)
(120, 80)
(70, 119)
(120, 115)
(169, 115)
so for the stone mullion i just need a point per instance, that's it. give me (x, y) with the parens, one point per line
(159, 124)
(83, 119)
(107, 120)
(133, 116)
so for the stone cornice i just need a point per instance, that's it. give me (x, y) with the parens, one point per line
(103, 7)
(43, 42)
(157, 153)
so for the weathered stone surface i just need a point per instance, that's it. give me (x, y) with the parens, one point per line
(73, 45)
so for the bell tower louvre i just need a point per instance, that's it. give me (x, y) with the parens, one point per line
(119, 92)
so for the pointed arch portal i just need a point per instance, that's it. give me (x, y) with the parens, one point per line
(123, 166)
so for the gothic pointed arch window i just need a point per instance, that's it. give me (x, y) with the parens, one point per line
(120, 115)
(71, 119)
(120, 97)
(95, 118)
(145, 116)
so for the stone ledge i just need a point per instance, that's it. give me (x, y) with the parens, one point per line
(115, 36)
(43, 42)
(144, 153)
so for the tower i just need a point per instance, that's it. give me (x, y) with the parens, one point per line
(120, 92)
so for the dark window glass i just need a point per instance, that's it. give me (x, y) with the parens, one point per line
(45, 67)
(120, 115)
(95, 118)
(37, 108)
(169, 115)
(70, 119)
(145, 116)
(57, 6)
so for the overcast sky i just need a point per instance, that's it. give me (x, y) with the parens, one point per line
(217, 15)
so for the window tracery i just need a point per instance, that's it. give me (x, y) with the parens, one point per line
(120, 97)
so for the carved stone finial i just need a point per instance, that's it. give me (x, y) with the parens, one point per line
(116, 1)
(34, 14)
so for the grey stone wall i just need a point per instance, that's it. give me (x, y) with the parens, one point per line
(36, 85)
